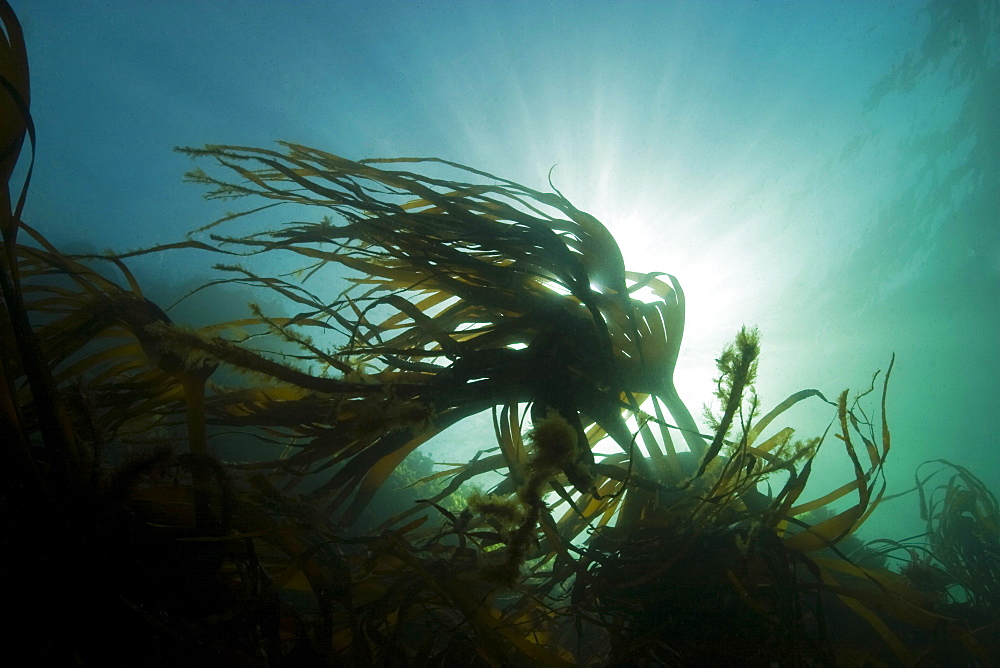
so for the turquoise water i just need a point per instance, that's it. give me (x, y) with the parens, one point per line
(826, 171)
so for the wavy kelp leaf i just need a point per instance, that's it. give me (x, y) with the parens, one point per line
(769, 417)
(868, 483)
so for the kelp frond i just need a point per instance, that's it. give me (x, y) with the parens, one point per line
(468, 294)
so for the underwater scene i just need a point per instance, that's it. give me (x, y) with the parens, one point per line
(500, 333)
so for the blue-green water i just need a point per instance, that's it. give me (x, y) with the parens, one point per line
(827, 171)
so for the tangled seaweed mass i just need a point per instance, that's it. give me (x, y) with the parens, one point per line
(463, 293)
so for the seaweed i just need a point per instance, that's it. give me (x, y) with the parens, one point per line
(607, 528)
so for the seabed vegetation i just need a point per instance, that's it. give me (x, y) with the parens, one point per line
(128, 542)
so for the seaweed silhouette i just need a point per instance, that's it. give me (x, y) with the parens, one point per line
(612, 529)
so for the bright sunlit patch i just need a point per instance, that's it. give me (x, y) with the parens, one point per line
(666, 234)
(645, 295)
(555, 287)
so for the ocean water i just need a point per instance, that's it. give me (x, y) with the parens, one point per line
(829, 172)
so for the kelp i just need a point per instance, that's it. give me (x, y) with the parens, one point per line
(472, 297)
(617, 533)
(963, 526)
(560, 560)
(493, 294)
